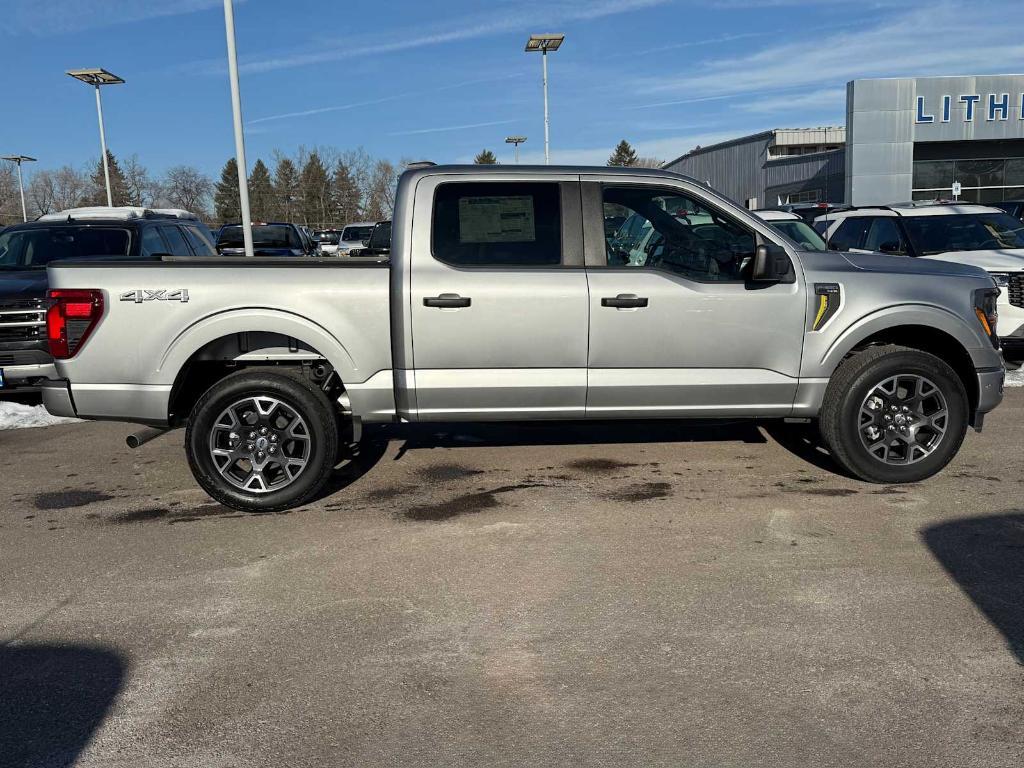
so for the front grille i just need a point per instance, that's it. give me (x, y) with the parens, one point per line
(23, 320)
(1015, 289)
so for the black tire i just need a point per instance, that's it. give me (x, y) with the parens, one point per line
(850, 386)
(300, 397)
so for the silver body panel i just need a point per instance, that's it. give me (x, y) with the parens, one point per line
(535, 343)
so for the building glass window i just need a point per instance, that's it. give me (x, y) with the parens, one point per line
(982, 181)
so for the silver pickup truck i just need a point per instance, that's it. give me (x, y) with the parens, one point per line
(506, 298)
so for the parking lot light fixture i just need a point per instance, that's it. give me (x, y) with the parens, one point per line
(545, 43)
(517, 140)
(236, 111)
(97, 77)
(18, 160)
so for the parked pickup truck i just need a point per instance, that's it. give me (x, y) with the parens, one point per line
(505, 299)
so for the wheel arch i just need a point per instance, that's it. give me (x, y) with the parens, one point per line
(934, 341)
(219, 345)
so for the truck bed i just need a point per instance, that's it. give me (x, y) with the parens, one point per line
(159, 316)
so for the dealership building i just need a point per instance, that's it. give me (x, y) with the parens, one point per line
(904, 139)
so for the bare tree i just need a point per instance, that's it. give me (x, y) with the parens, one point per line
(649, 162)
(59, 190)
(140, 189)
(10, 201)
(380, 198)
(188, 188)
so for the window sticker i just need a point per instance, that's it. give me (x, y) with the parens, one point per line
(496, 219)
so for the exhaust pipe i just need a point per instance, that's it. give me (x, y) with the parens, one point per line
(143, 436)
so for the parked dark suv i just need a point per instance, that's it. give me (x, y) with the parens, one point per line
(268, 239)
(80, 233)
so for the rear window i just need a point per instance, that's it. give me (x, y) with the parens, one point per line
(37, 247)
(500, 224)
(329, 238)
(263, 236)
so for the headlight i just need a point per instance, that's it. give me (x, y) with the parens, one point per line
(985, 309)
(1002, 279)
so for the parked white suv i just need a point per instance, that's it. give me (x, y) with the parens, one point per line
(355, 235)
(966, 234)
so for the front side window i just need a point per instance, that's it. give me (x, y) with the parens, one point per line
(679, 234)
(152, 243)
(884, 235)
(851, 233)
(963, 232)
(263, 236)
(199, 241)
(498, 224)
(176, 240)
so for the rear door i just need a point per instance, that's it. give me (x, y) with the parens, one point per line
(499, 299)
(676, 328)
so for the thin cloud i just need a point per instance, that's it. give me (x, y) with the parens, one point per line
(974, 42)
(447, 128)
(382, 100)
(834, 98)
(532, 16)
(53, 17)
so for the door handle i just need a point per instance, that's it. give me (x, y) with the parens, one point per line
(447, 301)
(624, 301)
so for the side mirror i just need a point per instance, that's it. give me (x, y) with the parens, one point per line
(891, 246)
(770, 265)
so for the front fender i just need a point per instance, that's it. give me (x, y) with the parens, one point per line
(824, 352)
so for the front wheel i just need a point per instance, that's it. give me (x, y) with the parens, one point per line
(262, 441)
(894, 415)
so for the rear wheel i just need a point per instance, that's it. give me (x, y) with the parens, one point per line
(894, 415)
(262, 441)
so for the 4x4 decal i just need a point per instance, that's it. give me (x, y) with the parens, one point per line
(163, 294)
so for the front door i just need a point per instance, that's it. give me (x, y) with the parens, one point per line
(498, 300)
(676, 328)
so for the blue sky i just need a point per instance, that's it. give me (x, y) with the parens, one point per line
(442, 80)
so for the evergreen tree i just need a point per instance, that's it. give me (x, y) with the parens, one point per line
(486, 157)
(286, 190)
(261, 192)
(227, 207)
(315, 186)
(118, 186)
(346, 195)
(624, 154)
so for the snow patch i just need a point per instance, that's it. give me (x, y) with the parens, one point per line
(1015, 378)
(20, 416)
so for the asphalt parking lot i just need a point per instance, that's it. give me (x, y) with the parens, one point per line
(663, 594)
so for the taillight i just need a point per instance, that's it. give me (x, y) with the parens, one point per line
(70, 319)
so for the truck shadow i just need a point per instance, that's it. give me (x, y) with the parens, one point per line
(985, 555)
(53, 699)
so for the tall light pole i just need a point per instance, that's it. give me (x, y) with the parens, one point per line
(97, 77)
(18, 160)
(517, 140)
(545, 43)
(236, 109)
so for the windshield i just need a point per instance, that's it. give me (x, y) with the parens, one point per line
(37, 247)
(263, 236)
(381, 237)
(352, 234)
(800, 233)
(329, 238)
(963, 232)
